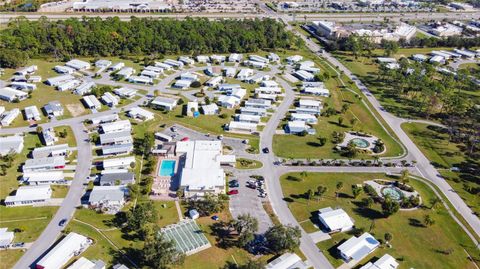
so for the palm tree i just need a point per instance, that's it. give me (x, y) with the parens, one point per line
(405, 174)
(309, 195)
(338, 187)
(428, 220)
(303, 175)
(320, 191)
(434, 202)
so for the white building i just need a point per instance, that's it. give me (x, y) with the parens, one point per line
(319, 91)
(248, 118)
(228, 101)
(91, 102)
(296, 127)
(259, 59)
(78, 64)
(186, 60)
(164, 66)
(68, 85)
(84, 88)
(44, 164)
(61, 69)
(8, 117)
(149, 73)
(110, 100)
(116, 126)
(182, 83)
(235, 57)
(6, 238)
(218, 58)
(304, 75)
(242, 127)
(164, 103)
(23, 86)
(32, 113)
(48, 136)
(294, 59)
(84, 263)
(103, 63)
(54, 108)
(9, 144)
(308, 118)
(230, 72)
(140, 114)
(116, 67)
(203, 59)
(44, 178)
(357, 248)
(174, 63)
(116, 138)
(287, 261)
(335, 220)
(125, 92)
(8, 94)
(419, 57)
(29, 195)
(192, 107)
(72, 245)
(309, 106)
(253, 111)
(125, 72)
(215, 81)
(245, 73)
(55, 81)
(104, 119)
(140, 79)
(211, 109)
(202, 172)
(273, 57)
(26, 70)
(118, 163)
(258, 103)
(385, 262)
(255, 64)
(109, 199)
(117, 149)
(51, 151)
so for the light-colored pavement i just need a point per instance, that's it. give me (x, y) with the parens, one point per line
(67, 209)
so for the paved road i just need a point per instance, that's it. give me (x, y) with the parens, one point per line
(339, 17)
(67, 208)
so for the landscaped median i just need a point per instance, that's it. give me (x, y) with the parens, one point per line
(416, 242)
(243, 163)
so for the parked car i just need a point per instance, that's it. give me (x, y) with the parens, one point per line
(215, 218)
(266, 150)
(185, 139)
(232, 192)
(62, 222)
(234, 184)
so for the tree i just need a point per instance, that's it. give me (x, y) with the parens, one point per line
(251, 264)
(344, 108)
(196, 84)
(209, 204)
(321, 190)
(389, 207)
(340, 121)
(353, 122)
(309, 195)
(245, 226)
(367, 202)
(139, 217)
(161, 253)
(351, 150)
(133, 191)
(303, 175)
(39, 129)
(356, 190)
(405, 174)
(434, 202)
(322, 140)
(388, 237)
(338, 187)
(428, 220)
(281, 238)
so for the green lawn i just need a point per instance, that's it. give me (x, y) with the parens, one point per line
(413, 246)
(308, 146)
(433, 142)
(9, 183)
(243, 163)
(69, 139)
(59, 191)
(9, 258)
(167, 212)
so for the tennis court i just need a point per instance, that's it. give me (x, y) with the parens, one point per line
(188, 237)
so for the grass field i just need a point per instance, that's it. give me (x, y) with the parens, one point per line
(28, 223)
(9, 182)
(413, 245)
(308, 146)
(433, 142)
(243, 163)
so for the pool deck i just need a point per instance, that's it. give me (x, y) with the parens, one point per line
(165, 187)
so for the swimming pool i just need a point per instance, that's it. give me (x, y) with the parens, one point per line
(167, 168)
(361, 143)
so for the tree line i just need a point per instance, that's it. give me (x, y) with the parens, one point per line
(139, 36)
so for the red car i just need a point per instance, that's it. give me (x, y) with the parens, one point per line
(233, 192)
(185, 139)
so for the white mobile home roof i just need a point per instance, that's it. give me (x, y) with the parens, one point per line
(125, 72)
(304, 117)
(121, 125)
(287, 261)
(385, 262)
(54, 150)
(182, 83)
(248, 118)
(104, 119)
(125, 92)
(238, 125)
(30, 193)
(118, 162)
(85, 87)
(257, 58)
(43, 163)
(44, 176)
(269, 90)
(110, 99)
(150, 73)
(358, 247)
(103, 63)
(68, 85)
(304, 75)
(116, 66)
(55, 81)
(140, 79)
(309, 103)
(78, 64)
(137, 112)
(91, 101)
(9, 116)
(294, 58)
(173, 63)
(11, 143)
(336, 219)
(9, 94)
(63, 251)
(117, 149)
(32, 112)
(210, 109)
(64, 69)
(164, 101)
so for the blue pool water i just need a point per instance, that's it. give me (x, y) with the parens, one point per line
(167, 168)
